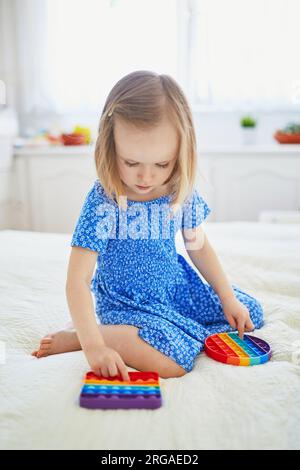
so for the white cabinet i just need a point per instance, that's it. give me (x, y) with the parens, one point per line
(242, 183)
(50, 190)
(49, 186)
(57, 191)
(244, 188)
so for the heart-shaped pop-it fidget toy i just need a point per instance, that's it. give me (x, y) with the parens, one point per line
(231, 349)
(142, 391)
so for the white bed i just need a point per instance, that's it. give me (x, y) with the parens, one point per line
(216, 406)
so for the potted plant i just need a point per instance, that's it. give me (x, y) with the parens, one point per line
(290, 134)
(248, 125)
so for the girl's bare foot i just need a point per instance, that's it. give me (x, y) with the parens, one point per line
(59, 342)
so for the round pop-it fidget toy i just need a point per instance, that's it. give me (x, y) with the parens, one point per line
(142, 391)
(231, 349)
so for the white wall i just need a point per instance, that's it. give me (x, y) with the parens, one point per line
(224, 129)
(213, 128)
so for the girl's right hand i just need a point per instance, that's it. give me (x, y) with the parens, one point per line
(107, 362)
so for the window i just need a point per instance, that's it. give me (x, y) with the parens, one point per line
(244, 54)
(91, 44)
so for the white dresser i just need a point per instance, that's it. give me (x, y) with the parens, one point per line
(244, 181)
(50, 184)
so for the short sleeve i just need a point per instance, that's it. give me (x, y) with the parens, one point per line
(96, 222)
(194, 211)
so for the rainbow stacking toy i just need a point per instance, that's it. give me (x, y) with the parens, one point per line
(231, 349)
(142, 391)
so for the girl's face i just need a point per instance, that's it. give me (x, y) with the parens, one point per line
(145, 157)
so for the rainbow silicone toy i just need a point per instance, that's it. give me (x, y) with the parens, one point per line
(231, 349)
(142, 391)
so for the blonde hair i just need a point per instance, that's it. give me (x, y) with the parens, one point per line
(143, 98)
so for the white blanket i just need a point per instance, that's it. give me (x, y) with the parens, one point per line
(216, 406)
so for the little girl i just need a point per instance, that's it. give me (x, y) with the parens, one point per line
(153, 310)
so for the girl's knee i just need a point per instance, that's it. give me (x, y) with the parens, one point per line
(175, 370)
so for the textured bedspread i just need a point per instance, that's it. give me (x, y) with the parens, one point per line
(215, 406)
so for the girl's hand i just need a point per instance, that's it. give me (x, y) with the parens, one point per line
(106, 362)
(237, 315)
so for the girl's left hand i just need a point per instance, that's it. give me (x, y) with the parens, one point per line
(237, 315)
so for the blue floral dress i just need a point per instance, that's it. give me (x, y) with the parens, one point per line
(141, 280)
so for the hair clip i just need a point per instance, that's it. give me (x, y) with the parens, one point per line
(111, 110)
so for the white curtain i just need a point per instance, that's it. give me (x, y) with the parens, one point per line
(23, 54)
(92, 44)
(245, 54)
(69, 53)
(63, 56)
(8, 75)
